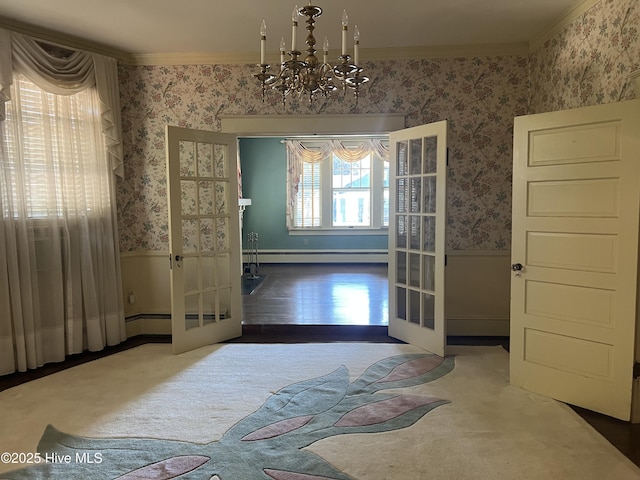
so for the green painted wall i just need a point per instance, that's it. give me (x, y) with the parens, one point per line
(264, 163)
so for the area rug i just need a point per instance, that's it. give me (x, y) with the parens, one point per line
(296, 412)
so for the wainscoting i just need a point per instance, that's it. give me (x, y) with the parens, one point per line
(145, 280)
(477, 292)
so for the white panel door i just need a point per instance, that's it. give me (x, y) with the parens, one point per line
(417, 223)
(576, 193)
(204, 238)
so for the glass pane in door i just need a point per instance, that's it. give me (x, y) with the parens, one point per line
(401, 298)
(415, 156)
(187, 158)
(401, 267)
(429, 273)
(429, 194)
(428, 311)
(402, 159)
(209, 306)
(205, 159)
(191, 311)
(430, 154)
(414, 307)
(414, 270)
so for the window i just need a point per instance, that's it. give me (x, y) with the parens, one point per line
(338, 185)
(56, 138)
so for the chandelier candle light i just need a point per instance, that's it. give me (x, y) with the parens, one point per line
(308, 77)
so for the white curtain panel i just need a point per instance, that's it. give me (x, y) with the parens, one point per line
(60, 286)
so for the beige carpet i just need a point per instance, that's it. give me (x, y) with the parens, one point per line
(488, 430)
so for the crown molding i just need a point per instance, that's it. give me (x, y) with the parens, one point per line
(570, 14)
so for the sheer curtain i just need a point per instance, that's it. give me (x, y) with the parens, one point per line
(60, 149)
(298, 153)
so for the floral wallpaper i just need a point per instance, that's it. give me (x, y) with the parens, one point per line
(478, 96)
(587, 63)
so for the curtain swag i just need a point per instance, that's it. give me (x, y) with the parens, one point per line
(347, 153)
(65, 76)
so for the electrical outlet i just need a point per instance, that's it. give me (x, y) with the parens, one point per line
(132, 298)
(305, 241)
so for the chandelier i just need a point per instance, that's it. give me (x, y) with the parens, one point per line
(308, 76)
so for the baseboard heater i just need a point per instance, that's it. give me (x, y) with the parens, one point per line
(320, 256)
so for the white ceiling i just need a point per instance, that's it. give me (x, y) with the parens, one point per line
(137, 27)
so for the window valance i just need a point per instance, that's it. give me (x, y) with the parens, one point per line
(346, 152)
(65, 76)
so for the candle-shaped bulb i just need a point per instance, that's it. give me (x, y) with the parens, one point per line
(294, 28)
(263, 42)
(345, 22)
(356, 45)
(325, 50)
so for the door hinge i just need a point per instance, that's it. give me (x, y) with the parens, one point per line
(636, 370)
(447, 156)
(445, 260)
(170, 261)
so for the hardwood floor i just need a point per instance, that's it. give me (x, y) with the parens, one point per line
(329, 303)
(319, 294)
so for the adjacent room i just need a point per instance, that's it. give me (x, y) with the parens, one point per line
(232, 247)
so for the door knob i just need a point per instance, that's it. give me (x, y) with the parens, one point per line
(517, 267)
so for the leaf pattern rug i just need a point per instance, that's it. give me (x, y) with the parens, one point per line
(298, 412)
(267, 444)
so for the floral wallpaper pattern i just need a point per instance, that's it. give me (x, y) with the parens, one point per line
(478, 96)
(587, 63)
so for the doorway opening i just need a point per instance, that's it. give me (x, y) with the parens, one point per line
(323, 275)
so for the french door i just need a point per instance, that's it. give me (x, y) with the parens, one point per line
(417, 223)
(204, 238)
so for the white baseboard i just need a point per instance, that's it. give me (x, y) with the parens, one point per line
(319, 256)
(140, 325)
